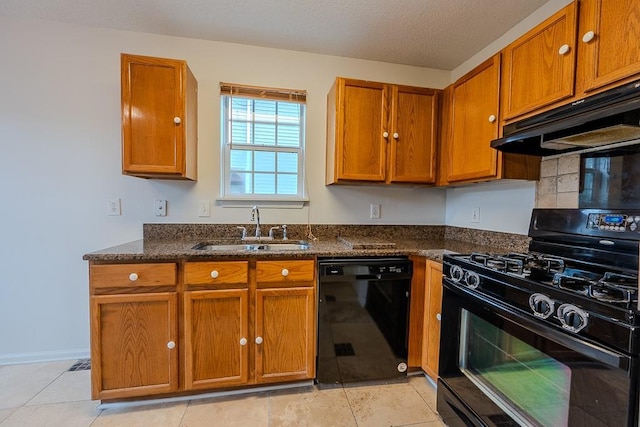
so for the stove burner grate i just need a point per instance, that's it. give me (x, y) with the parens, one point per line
(609, 287)
(510, 263)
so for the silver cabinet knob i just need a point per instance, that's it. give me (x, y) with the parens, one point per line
(395, 135)
(285, 272)
(258, 340)
(588, 36)
(243, 341)
(564, 49)
(133, 277)
(385, 134)
(492, 118)
(439, 317)
(177, 120)
(171, 345)
(214, 274)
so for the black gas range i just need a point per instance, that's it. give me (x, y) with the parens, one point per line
(591, 301)
(570, 302)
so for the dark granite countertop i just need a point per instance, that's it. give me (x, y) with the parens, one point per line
(182, 249)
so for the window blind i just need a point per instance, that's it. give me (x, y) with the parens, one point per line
(259, 92)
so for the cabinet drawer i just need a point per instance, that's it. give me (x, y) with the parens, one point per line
(212, 273)
(285, 271)
(127, 275)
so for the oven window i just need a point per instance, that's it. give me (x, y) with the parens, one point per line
(530, 386)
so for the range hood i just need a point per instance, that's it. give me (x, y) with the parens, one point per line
(606, 118)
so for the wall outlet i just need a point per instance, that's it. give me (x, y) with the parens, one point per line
(374, 211)
(160, 207)
(203, 208)
(475, 214)
(113, 207)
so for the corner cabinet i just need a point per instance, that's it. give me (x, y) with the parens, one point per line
(159, 118)
(470, 119)
(380, 133)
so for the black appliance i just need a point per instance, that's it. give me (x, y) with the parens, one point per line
(549, 337)
(363, 318)
(606, 118)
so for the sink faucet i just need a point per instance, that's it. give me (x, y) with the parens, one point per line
(255, 216)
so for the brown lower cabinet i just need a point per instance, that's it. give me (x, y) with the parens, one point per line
(431, 325)
(215, 323)
(133, 345)
(241, 322)
(424, 325)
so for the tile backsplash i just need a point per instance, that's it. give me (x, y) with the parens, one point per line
(559, 182)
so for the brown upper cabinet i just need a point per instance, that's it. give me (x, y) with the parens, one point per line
(379, 132)
(474, 122)
(585, 48)
(470, 122)
(159, 118)
(608, 43)
(538, 69)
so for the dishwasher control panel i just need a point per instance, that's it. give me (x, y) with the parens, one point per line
(376, 267)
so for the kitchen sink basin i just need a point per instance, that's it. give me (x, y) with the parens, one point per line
(253, 247)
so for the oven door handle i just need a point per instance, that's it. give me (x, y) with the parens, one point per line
(601, 354)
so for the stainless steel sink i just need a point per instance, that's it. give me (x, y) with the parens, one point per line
(253, 247)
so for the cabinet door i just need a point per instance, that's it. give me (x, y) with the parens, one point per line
(361, 121)
(431, 328)
(538, 68)
(412, 135)
(153, 115)
(216, 338)
(609, 42)
(285, 334)
(133, 345)
(473, 122)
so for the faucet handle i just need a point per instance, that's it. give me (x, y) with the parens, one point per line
(284, 232)
(271, 230)
(244, 232)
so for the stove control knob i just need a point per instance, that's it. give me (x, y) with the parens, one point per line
(456, 273)
(472, 279)
(542, 305)
(572, 318)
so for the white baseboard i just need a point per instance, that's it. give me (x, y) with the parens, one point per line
(43, 356)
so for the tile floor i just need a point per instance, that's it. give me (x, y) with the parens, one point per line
(46, 394)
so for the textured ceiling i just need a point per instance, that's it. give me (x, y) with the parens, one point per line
(427, 33)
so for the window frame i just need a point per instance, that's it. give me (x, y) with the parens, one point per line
(227, 93)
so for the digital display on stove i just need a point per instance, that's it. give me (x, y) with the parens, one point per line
(614, 219)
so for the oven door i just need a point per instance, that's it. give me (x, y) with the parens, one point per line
(500, 367)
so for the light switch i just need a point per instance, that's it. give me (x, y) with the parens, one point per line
(203, 208)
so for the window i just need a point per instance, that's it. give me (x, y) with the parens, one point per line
(263, 132)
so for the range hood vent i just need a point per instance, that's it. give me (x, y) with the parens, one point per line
(606, 118)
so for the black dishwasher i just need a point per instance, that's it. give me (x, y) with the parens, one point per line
(363, 318)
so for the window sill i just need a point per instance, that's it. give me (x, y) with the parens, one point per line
(238, 202)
